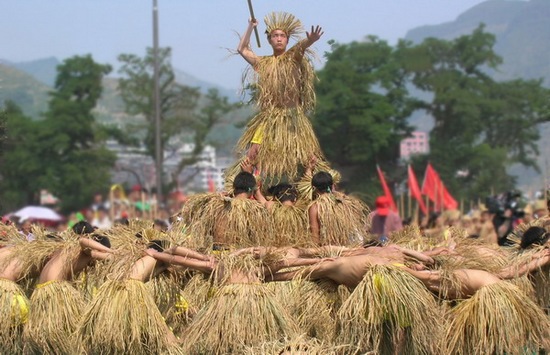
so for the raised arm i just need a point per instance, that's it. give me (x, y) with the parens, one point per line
(312, 37)
(244, 45)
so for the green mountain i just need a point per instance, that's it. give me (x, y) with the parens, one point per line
(521, 28)
(522, 31)
(25, 90)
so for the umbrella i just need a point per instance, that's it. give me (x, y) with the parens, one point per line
(38, 213)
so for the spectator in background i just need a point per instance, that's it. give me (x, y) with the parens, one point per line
(540, 209)
(102, 219)
(383, 220)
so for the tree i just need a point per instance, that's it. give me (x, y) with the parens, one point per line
(362, 108)
(21, 167)
(76, 164)
(479, 123)
(185, 114)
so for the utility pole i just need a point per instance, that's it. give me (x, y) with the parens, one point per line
(159, 155)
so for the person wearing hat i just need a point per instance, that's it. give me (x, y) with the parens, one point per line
(383, 220)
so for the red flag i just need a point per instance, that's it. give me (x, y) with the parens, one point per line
(414, 190)
(434, 188)
(210, 181)
(386, 189)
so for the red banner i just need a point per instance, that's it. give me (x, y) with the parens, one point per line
(436, 191)
(386, 189)
(414, 190)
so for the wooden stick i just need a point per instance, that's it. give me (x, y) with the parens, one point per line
(253, 18)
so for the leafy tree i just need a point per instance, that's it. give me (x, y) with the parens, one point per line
(21, 167)
(76, 163)
(479, 124)
(362, 108)
(184, 113)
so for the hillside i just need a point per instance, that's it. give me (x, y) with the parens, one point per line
(28, 84)
(521, 28)
(522, 31)
(22, 88)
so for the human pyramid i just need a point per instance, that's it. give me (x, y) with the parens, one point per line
(280, 263)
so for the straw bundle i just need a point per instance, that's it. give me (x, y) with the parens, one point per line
(291, 225)
(55, 311)
(288, 142)
(238, 316)
(14, 311)
(390, 307)
(123, 319)
(342, 219)
(313, 305)
(498, 319)
(301, 345)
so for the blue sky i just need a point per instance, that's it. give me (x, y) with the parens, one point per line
(199, 31)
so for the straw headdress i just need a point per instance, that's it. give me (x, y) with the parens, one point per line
(285, 22)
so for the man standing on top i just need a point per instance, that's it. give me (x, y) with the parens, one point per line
(284, 94)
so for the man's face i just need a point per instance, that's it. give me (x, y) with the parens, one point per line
(278, 40)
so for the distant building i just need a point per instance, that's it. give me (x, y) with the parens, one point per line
(417, 144)
(133, 166)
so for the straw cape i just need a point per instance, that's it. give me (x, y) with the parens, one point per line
(497, 319)
(343, 219)
(389, 311)
(123, 319)
(56, 307)
(231, 221)
(14, 312)
(238, 315)
(290, 224)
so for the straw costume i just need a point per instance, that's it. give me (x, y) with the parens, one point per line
(241, 313)
(499, 318)
(123, 317)
(55, 311)
(14, 311)
(387, 308)
(343, 219)
(283, 88)
(228, 221)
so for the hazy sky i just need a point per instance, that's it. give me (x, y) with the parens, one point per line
(199, 31)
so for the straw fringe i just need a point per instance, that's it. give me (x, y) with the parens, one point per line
(54, 314)
(238, 316)
(498, 319)
(14, 309)
(291, 226)
(386, 304)
(123, 319)
(343, 219)
(288, 143)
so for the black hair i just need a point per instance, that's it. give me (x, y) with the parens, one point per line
(101, 239)
(283, 192)
(244, 182)
(53, 237)
(122, 221)
(322, 182)
(534, 235)
(160, 223)
(158, 245)
(83, 227)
